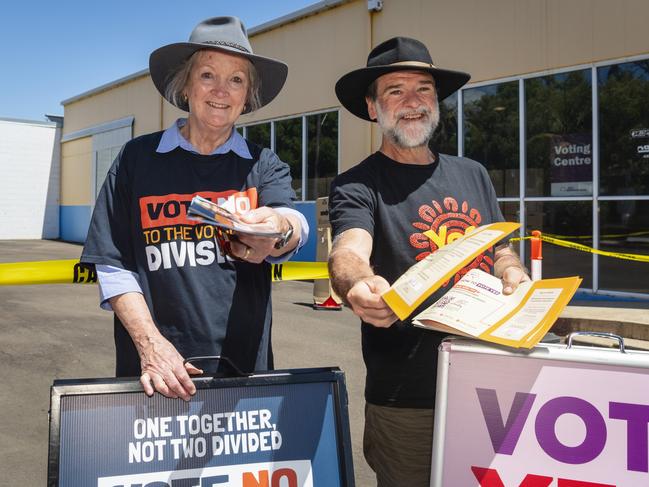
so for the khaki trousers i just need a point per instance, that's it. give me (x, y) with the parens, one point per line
(398, 444)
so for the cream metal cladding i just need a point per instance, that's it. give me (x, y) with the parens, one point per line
(502, 38)
(137, 97)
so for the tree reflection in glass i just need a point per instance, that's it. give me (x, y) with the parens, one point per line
(491, 133)
(288, 146)
(259, 134)
(559, 139)
(445, 137)
(624, 128)
(322, 153)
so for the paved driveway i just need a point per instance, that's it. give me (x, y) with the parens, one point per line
(51, 332)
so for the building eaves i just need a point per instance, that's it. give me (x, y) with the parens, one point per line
(28, 122)
(106, 86)
(314, 9)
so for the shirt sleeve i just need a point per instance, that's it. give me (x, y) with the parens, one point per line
(304, 236)
(109, 236)
(351, 204)
(275, 188)
(114, 281)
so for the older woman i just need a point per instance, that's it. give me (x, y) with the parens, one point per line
(174, 291)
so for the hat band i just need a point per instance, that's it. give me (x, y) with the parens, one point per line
(417, 64)
(228, 44)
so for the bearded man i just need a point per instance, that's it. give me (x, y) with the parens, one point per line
(379, 210)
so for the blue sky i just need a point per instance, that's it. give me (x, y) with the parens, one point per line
(53, 50)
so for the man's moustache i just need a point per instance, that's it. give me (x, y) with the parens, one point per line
(418, 111)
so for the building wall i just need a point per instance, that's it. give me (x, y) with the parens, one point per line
(29, 152)
(76, 185)
(137, 98)
(502, 38)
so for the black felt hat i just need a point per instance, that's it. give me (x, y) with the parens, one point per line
(396, 54)
(226, 34)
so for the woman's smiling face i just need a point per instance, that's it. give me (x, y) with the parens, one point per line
(217, 88)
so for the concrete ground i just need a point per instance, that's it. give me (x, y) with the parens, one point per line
(50, 332)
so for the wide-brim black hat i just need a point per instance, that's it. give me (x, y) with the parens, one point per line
(226, 34)
(396, 54)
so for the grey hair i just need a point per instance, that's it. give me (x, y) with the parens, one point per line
(175, 90)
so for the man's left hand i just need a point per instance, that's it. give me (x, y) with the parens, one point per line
(512, 277)
(509, 268)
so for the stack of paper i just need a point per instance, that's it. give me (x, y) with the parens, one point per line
(476, 306)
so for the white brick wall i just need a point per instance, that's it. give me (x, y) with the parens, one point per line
(30, 173)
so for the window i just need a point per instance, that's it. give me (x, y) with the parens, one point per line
(445, 138)
(259, 134)
(511, 213)
(624, 228)
(322, 153)
(491, 133)
(560, 160)
(288, 146)
(624, 128)
(559, 137)
(308, 144)
(568, 221)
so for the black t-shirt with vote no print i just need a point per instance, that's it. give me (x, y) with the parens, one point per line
(397, 203)
(204, 303)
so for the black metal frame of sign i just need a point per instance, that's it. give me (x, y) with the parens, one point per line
(286, 427)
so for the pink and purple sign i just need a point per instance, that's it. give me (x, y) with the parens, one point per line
(516, 420)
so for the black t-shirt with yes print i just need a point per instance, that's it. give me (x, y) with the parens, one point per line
(396, 203)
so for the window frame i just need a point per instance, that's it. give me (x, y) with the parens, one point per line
(595, 198)
(304, 146)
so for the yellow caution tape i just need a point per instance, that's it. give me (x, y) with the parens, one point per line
(72, 271)
(300, 271)
(590, 237)
(584, 248)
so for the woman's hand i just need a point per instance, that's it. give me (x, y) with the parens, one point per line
(163, 370)
(161, 364)
(255, 249)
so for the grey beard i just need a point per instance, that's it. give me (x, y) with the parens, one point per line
(399, 139)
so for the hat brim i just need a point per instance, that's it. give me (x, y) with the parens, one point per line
(166, 60)
(351, 89)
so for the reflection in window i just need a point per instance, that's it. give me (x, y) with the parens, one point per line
(624, 228)
(511, 213)
(288, 146)
(624, 128)
(570, 221)
(259, 134)
(491, 133)
(322, 153)
(445, 138)
(559, 137)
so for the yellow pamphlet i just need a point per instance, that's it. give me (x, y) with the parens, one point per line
(430, 273)
(476, 307)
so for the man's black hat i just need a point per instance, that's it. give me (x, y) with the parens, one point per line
(396, 54)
